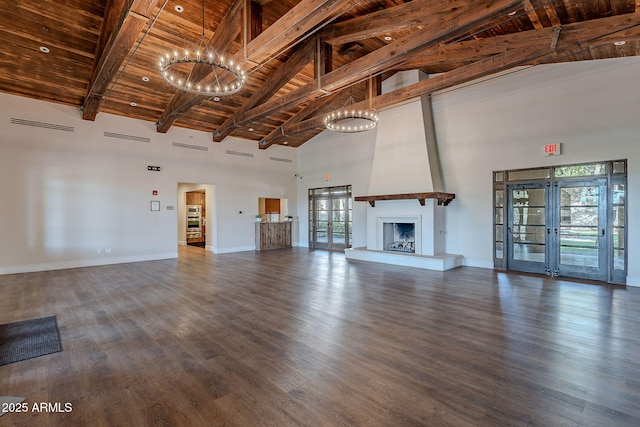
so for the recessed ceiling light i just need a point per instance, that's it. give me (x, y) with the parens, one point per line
(145, 79)
(179, 8)
(133, 104)
(388, 38)
(620, 43)
(250, 129)
(44, 49)
(216, 98)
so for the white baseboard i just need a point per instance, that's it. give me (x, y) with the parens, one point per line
(91, 262)
(633, 281)
(182, 243)
(232, 250)
(477, 263)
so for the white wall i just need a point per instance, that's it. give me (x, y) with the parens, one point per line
(591, 107)
(503, 123)
(66, 197)
(347, 158)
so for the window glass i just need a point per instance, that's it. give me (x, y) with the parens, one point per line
(529, 174)
(581, 170)
(618, 167)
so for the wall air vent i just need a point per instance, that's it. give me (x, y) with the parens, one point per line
(190, 147)
(127, 137)
(238, 153)
(280, 159)
(41, 125)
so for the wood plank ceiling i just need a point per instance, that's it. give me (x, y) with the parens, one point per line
(103, 54)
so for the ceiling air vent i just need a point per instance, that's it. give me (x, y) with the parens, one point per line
(190, 147)
(127, 137)
(280, 159)
(41, 125)
(238, 153)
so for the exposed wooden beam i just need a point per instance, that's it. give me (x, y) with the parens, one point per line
(403, 17)
(298, 60)
(552, 14)
(457, 22)
(122, 25)
(532, 14)
(323, 60)
(295, 24)
(474, 50)
(232, 22)
(279, 133)
(255, 21)
(575, 37)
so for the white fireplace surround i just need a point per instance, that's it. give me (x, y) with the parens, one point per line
(405, 162)
(415, 220)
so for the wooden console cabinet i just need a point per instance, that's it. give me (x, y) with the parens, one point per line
(273, 235)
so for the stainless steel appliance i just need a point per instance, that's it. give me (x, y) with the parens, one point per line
(194, 221)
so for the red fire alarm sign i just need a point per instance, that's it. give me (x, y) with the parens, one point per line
(154, 193)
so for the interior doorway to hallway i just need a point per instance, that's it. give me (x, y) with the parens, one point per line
(196, 226)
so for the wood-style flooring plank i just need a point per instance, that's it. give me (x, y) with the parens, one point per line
(295, 337)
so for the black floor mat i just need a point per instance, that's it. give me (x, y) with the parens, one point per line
(28, 339)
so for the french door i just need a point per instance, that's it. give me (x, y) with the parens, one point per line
(558, 228)
(330, 217)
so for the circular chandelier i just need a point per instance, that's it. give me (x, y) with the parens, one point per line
(223, 77)
(350, 120)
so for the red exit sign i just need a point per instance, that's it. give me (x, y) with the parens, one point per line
(552, 149)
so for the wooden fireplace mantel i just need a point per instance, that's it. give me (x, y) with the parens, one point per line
(443, 198)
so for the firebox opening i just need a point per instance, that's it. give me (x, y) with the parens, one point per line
(399, 237)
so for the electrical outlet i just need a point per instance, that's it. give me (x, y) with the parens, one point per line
(99, 250)
(107, 250)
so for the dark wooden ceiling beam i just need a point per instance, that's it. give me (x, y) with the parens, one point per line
(532, 14)
(405, 16)
(280, 134)
(298, 60)
(457, 22)
(574, 37)
(292, 27)
(182, 101)
(121, 28)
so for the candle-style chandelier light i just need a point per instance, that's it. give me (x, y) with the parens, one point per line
(223, 78)
(348, 118)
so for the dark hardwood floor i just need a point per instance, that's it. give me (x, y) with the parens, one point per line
(297, 337)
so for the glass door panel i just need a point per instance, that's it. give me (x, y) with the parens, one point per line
(331, 213)
(527, 227)
(321, 223)
(579, 233)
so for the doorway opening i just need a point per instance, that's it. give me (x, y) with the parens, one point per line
(195, 214)
(330, 213)
(566, 221)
